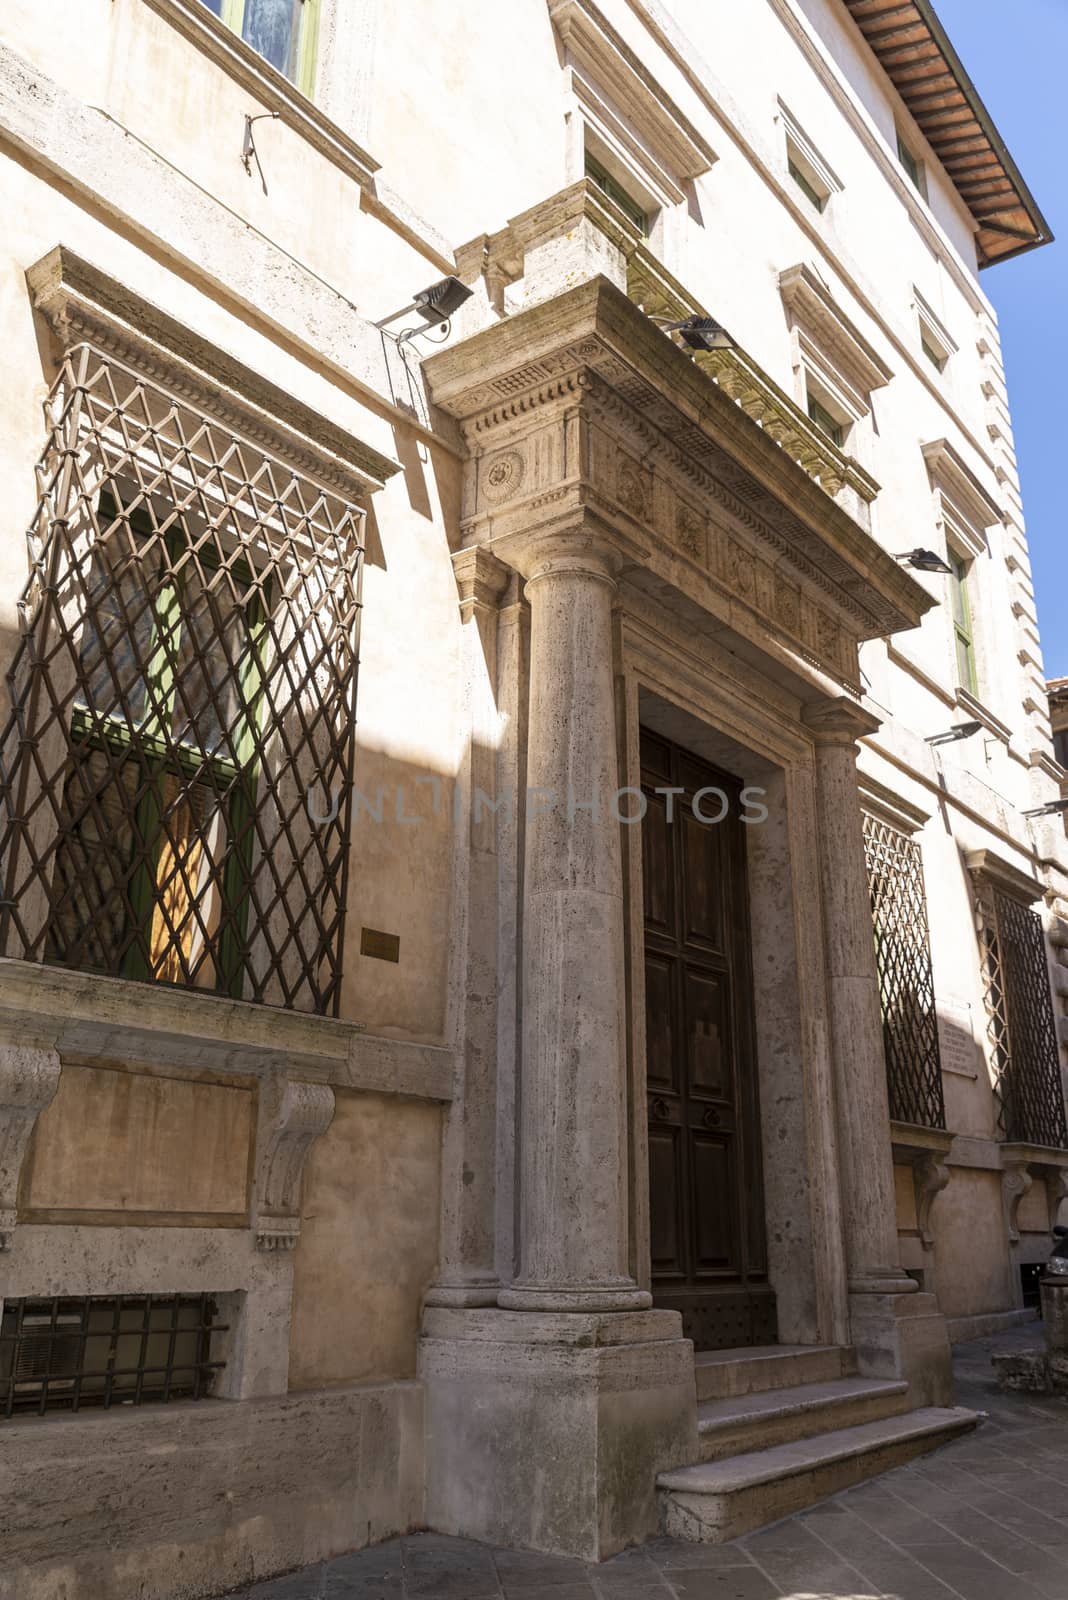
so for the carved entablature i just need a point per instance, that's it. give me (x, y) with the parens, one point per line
(580, 407)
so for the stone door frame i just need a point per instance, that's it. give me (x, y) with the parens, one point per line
(748, 728)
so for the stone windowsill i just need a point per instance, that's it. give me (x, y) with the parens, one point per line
(92, 1017)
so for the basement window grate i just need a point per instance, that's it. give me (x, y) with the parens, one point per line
(66, 1354)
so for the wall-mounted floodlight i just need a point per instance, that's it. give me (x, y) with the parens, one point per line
(438, 303)
(700, 333)
(962, 730)
(1052, 808)
(924, 560)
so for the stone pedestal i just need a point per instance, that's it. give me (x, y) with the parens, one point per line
(896, 1331)
(546, 1431)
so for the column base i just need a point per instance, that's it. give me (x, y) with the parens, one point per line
(476, 1290)
(603, 1297)
(903, 1336)
(545, 1431)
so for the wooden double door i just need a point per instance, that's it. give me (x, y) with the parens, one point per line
(707, 1229)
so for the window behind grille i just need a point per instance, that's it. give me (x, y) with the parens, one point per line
(176, 773)
(65, 1354)
(906, 982)
(1021, 1023)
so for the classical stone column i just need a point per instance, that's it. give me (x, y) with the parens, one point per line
(895, 1330)
(573, 1192)
(467, 1274)
(863, 1111)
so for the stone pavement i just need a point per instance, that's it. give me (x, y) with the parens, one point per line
(985, 1518)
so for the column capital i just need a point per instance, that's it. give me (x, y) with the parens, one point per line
(481, 579)
(838, 721)
(581, 547)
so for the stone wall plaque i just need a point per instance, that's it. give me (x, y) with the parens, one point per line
(956, 1039)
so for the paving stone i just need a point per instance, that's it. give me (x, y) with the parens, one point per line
(724, 1583)
(519, 1569)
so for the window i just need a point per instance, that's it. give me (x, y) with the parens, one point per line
(65, 1354)
(178, 761)
(1021, 1025)
(912, 165)
(616, 193)
(906, 981)
(284, 32)
(163, 757)
(823, 419)
(805, 164)
(962, 623)
(805, 184)
(936, 342)
(935, 356)
(1060, 745)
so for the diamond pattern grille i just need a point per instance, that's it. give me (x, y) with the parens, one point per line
(1020, 1021)
(176, 769)
(906, 981)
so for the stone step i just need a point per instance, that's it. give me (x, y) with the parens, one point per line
(757, 1421)
(722, 1374)
(714, 1501)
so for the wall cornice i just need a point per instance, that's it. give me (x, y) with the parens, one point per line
(81, 303)
(98, 1018)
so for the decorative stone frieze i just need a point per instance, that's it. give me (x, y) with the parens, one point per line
(292, 1116)
(29, 1078)
(580, 404)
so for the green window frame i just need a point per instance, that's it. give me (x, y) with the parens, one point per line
(810, 193)
(912, 165)
(937, 360)
(964, 639)
(247, 18)
(157, 758)
(825, 422)
(616, 193)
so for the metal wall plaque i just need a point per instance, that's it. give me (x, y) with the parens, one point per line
(383, 946)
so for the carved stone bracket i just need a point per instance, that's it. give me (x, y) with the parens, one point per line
(291, 1117)
(29, 1078)
(1056, 1191)
(929, 1177)
(1015, 1182)
(925, 1150)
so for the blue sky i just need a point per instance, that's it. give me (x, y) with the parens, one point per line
(1017, 55)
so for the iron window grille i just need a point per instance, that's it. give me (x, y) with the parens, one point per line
(176, 770)
(906, 979)
(1020, 1021)
(67, 1354)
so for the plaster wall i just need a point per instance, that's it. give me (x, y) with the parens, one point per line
(368, 1244)
(971, 1262)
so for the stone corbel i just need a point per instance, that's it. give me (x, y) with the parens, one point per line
(291, 1117)
(1056, 1191)
(1015, 1182)
(29, 1078)
(925, 1150)
(930, 1175)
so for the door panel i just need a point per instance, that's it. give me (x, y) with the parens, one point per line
(705, 1175)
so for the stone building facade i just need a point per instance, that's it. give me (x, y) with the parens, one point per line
(511, 872)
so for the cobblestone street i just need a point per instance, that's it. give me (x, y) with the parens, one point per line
(982, 1519)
